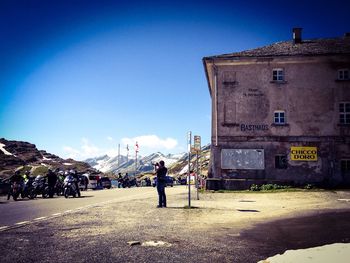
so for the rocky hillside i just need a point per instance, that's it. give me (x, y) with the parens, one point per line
(23, 155)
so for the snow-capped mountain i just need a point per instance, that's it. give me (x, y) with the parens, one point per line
(176, 163)
(144, 164)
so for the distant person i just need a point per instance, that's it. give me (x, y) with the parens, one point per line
(51, 180)
(16, 178)
(161, 172)
(75, 175)
(120, 180)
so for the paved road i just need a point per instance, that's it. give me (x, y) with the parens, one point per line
(228, 227)
(25, 210)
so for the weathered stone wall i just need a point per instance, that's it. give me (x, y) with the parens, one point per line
(309, 95)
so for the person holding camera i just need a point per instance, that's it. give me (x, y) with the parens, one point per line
(161, 172)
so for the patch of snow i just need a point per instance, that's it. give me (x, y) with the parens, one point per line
(46, 159)
(155, 244)
(337, 252)
(67, 163)
(3, 149)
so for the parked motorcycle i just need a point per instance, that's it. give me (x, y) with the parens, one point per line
(69, 187)
(15, 190)
(59, 187)
(40, 187)
(28, 189)
(133, 182)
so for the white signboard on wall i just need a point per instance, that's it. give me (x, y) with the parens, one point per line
(246, 159)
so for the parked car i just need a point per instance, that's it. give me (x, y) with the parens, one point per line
(105, 182)
(169, 181)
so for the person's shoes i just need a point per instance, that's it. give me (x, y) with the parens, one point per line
(8, 197)
(164, 205)
(159, 206)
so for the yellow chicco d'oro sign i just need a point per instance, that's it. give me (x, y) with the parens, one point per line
(300, 153)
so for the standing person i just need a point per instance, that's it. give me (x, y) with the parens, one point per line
(51, 180)
(75, 175)
(161, 172)
(14, 179)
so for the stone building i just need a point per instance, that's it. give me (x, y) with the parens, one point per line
(281, 114)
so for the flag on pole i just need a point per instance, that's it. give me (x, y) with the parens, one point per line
(136, 147)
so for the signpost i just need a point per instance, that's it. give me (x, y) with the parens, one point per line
(197, 148)
(189, 142)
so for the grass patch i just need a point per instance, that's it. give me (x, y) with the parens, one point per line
(269, 189)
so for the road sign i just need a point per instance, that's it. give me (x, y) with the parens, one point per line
(197, 143)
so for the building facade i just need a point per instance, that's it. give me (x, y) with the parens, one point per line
(281, 114)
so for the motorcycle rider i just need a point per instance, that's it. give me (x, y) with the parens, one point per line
(76, 180)
(120, 180)
(126, 181)
(51, 180)
(16, 178)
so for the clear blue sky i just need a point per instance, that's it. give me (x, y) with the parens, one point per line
(79, 77)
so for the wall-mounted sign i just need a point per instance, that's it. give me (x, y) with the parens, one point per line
(301, 153)
(254, 127)
(247, 159)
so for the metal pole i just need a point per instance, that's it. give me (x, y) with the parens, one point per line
(127, 153)
(118, 155)
(135, 162)
(189, 138)
(197, 174)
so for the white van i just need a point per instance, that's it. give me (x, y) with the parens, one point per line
(92, 180)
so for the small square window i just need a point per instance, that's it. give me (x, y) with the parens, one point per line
(344, 113)
(278, 74)
(281, 162)
(279, 117)
(343, 74)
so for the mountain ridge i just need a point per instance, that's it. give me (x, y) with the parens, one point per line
(19, 155)
(176, 163)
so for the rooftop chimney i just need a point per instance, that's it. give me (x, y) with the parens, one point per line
(297, 35)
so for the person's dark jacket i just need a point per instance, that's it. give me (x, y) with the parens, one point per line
(51, 178)
(16, 178)
(161, 173)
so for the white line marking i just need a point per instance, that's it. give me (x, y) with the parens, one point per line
(346, 200)
(3, 227)
(22, 223)
(39, 218)
(57, 214)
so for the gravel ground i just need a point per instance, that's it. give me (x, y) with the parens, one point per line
(223, 227)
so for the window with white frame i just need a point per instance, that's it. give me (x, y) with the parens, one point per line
(279, 117)
(344, 113)
(343, 74)
(278, 74)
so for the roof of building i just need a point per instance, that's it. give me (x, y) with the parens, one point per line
(312, 47)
